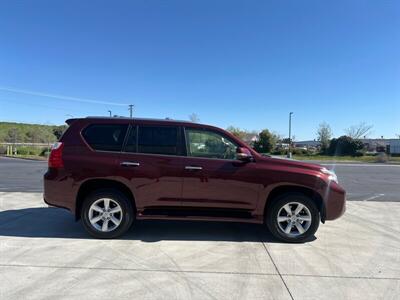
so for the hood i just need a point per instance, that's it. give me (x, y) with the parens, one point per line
(292, 163)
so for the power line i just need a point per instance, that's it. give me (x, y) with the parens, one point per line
(60, 97)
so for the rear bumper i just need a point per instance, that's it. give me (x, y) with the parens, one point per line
(58, 190)
(334, 202)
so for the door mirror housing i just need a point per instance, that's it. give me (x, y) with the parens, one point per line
(244, 154)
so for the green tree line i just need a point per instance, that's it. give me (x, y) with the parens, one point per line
(29, 133)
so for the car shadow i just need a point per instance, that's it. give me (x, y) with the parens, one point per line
(49, 222)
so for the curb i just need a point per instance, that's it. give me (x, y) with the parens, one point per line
(25, 158)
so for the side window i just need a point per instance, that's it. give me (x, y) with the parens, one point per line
(105, 137)
(209, 144)
(158, 140)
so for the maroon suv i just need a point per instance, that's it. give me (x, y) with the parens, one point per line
(111, 171)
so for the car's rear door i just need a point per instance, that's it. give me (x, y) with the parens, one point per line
(213, 178)
(151, 164)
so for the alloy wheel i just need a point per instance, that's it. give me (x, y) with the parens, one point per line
(105, 214)
(294, 219)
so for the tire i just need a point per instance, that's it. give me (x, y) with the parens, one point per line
(118, 217)
(307, 220)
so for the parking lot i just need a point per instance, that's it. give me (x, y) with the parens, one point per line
(44, 253)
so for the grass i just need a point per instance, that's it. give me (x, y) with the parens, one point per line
(364, 159)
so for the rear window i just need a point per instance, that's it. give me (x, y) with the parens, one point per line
(158, 140)
(105, 137)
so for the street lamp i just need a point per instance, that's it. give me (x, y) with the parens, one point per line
(289, 155)
(110, 112)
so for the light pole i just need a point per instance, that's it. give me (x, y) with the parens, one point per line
(110, 112)
(289, 155)
(130, 110)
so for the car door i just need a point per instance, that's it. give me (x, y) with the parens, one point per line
(213, 177)
(151, 164)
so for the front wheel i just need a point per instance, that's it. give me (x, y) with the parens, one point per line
(293, 218)
(107, 214)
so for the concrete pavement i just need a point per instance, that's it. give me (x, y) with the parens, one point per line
(45, 254)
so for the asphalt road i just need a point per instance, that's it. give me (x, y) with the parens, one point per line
(363, 182)
(21, 175)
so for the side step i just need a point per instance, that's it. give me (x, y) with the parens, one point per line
(213, 213)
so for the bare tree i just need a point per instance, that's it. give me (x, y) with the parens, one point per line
(236, 131)
(194, 118)
(358, 131)
(324, 134)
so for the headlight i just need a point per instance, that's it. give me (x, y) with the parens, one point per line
(332, 176)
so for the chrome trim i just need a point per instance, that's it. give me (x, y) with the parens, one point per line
(193, 168)
(130, 164)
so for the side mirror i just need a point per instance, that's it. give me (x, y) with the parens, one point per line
(243, 154)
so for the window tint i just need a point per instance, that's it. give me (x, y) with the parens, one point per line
(131, 141)
(209, 144)
(158, 140)
(105, 137)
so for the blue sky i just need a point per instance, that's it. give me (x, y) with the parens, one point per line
(241, 63)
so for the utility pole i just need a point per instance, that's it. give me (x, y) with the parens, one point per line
(131, 109)
(289, 155)
(110, 112)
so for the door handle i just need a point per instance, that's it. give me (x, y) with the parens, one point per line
(193, 168)
(130, 164)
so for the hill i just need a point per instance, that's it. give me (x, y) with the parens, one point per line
(29, 133)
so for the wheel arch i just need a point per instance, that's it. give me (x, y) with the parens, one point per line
(286, 189)
(95, 184)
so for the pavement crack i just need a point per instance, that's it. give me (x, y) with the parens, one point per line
(277, 270)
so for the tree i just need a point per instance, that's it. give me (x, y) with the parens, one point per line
(345, 145)
(59, 130)
(324, 134)
(236, 131)
(358, 131)
(13, 136)
(266, 141)
(194, 118)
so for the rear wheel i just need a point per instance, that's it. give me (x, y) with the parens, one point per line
(107, 214)
(293, 218)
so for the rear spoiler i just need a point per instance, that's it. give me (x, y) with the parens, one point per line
(70, 121)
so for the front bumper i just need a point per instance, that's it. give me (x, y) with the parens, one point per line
(334, 201)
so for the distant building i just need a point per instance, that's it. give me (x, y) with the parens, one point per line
(307, 144)
(394, 146)
(250, 138)
(382, 145)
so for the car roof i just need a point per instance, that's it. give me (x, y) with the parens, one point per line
(169, 121)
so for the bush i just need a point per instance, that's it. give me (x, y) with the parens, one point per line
(28, 150)
(297, 151)
(266, 142)
(3, 149)
(45, 152)
(382, 157)
(359, 153)
(279, 152)
(345, 145)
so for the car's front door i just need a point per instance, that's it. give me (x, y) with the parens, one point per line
(151, 164)
(213, 177)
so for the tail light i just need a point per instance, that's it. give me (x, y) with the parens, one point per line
(55, 158)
